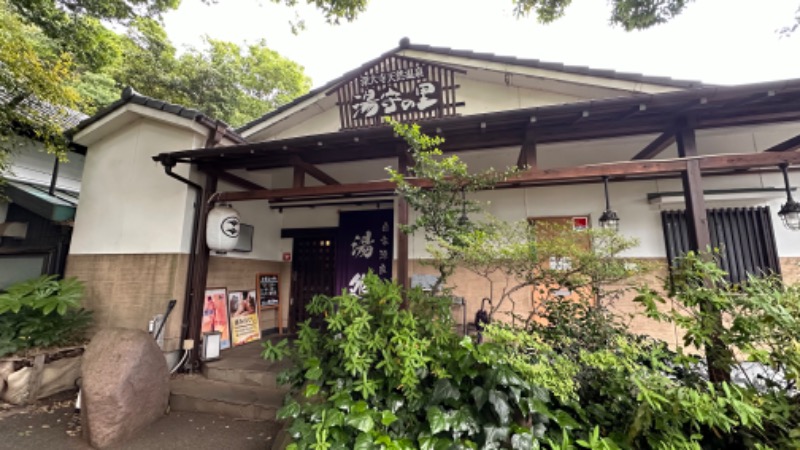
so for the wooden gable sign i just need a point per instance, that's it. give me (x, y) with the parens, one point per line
(404, 89)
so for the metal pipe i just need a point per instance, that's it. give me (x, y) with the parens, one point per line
(54, 178)
(784, 168)
(189, 294)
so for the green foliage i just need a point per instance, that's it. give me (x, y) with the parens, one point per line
(442, 202)
(33, 72)
(42, 312)
(380, 376)
(761, 324)
(629, 14)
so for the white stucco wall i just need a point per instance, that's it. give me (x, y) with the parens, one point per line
(128, 204)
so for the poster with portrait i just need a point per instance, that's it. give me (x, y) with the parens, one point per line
(244, 317)
(215, 315)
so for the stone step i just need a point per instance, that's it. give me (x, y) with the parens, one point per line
(245, 372)
(198, 394)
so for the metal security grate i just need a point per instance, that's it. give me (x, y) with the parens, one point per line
(744, 237)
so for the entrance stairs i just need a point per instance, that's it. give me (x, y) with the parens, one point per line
(240, 384)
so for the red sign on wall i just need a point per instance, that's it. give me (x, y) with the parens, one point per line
(287, 256)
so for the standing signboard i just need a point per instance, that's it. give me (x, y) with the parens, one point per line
(244, 318)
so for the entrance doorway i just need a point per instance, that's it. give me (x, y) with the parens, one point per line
(313, 271)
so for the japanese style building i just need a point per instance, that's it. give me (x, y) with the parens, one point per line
(309, 178)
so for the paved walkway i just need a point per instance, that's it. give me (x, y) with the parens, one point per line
(48, 425)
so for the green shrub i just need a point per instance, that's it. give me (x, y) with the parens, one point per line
(40, 313)
(381, 376)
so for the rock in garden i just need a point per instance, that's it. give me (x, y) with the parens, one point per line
(125, 385)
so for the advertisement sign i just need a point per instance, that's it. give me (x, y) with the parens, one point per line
(244, 317)
(364, 242)
(215, 315)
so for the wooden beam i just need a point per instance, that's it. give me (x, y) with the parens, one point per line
(298, 178)
(527, 154)
(697, 220)
(786, 146)
(594, 172)
(233, 179)
(658, 145)
(314, 171)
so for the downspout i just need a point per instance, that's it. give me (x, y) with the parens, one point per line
(189, 295)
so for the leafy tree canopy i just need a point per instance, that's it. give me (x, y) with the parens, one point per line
(629, 14)
(34, 86)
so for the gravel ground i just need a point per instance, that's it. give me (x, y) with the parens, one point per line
(52, 424)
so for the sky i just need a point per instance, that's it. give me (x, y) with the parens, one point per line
(714, 41)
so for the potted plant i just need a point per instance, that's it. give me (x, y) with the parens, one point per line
(42, 332)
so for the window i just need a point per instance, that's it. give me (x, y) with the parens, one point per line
(744, 237)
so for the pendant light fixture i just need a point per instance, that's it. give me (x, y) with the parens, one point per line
(790, 211)
(609, 219)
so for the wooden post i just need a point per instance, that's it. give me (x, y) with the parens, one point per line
(527, 153)
(402, 219)
(717, 353)
(200, 270)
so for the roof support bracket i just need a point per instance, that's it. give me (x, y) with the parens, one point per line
(313, 170)
(658, 145)
(786, 146)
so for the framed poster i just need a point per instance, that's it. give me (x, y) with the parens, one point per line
(268, 295)
(215, 315)
(244, 317)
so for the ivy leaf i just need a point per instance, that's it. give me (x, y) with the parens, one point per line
(388, 418)
(437, 420)
(500, 405)
(565, 420)
(480, 395)
(314, 373)
(495, 434)
(522, 441)
(363, 442)
(334, 418)
(444, 390)
(311, 390)
(361, 421)
(463, 421)
(289, 411)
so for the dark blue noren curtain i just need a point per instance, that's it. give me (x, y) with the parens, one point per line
(364, 242)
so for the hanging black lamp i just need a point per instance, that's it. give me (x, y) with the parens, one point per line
(790, 211)
(609, 219)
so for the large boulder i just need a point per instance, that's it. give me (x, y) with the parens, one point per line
(125, 385)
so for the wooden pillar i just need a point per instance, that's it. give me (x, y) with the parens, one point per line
(403, 160)
(199, 271)
(717, 353)
(527, 154)
(696, 217)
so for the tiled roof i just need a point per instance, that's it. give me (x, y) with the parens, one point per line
(579, 70)
(129, 95)
(29, 107)
(490, 57)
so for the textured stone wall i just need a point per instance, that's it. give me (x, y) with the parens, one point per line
(126, 291)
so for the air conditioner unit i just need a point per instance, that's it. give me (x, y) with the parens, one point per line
(14, 230)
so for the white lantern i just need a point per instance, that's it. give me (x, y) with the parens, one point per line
(222, 228)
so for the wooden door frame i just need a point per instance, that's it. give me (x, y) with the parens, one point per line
(303, 233)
